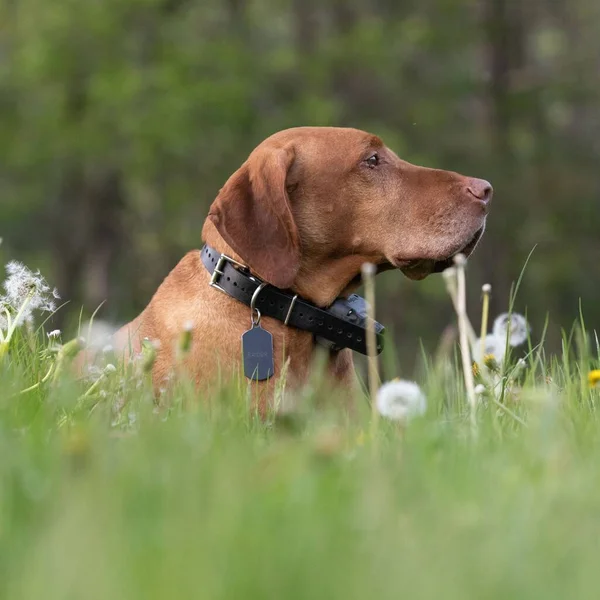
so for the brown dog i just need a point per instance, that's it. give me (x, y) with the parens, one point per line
(304, 212)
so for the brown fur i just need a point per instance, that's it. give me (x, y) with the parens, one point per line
(304, 212)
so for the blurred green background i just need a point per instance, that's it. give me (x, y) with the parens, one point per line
(121, 119)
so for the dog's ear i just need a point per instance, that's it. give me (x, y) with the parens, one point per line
(252, 214)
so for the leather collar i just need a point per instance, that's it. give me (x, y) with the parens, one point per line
(235, 280)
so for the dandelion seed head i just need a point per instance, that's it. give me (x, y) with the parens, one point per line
(493, 346)
(26, 291)
(521, 364)
(54, 334)
(400, 400)
(100, 333)
(48, 306)
(486, 288)
(110, 368)
(4, 306)
(480, 389)
(514, 325)
(14, 267)
(368, 269)
(460, 260)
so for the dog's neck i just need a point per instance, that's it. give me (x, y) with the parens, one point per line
(320, 279)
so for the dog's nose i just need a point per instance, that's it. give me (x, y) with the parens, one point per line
(480, 189)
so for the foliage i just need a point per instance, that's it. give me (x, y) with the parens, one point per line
(109, 491)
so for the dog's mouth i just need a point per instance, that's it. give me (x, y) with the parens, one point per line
(420, 268)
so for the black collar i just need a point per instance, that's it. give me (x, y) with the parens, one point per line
(342, 325)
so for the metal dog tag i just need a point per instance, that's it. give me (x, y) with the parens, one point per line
(257, 353)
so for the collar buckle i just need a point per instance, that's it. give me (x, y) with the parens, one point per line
(216, 275)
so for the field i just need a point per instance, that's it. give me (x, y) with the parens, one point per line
(105, 495)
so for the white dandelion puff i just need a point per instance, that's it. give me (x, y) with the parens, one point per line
(493, 345)
(53, 334)
(480, 389)
(26, 291)
(400, 400)
(100, 333)
(460, 260)
(368, 269)
(4, 307)
(110, 368)
(515, 325)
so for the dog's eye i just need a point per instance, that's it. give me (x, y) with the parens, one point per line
(372, 161)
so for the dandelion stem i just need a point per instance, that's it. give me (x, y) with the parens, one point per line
(90, 390)
(450, 280)
(368, 278)
(486, 289)
(461, 306)
(507, 410)
(30, 388)
(67, 352)
(15, 323)
(108, 369)
(40, 382)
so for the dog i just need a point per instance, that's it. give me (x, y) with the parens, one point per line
(302, 215)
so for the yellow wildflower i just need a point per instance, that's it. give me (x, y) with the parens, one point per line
(489, 360)
(594, 377)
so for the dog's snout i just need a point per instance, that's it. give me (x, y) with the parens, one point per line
(480, 189)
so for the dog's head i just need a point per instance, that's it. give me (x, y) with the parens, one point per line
(312, 203)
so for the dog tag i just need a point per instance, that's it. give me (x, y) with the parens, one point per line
(257, 352)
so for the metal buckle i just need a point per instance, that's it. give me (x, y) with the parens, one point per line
(219, 270)
(253, 309)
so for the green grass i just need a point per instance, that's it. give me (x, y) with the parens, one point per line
(106, 497)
